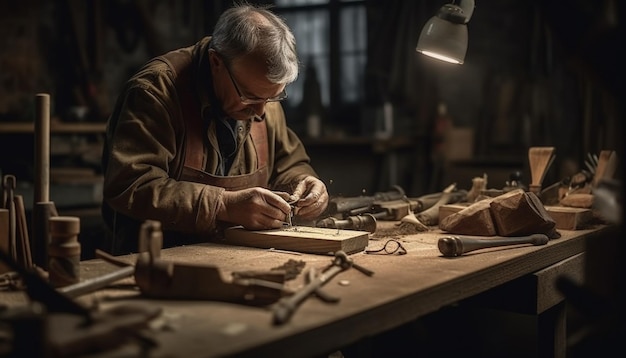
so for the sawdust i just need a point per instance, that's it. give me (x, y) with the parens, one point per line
(292, 268)
(397, 230)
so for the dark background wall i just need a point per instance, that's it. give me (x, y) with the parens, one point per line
(537, 73)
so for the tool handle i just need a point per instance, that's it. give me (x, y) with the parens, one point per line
(365, 222)
(451, 246)
(285, 307)
(96, 283)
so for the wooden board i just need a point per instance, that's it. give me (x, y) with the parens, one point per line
(306, 239)
(569, 218)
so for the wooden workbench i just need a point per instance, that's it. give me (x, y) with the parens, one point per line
(402, 289)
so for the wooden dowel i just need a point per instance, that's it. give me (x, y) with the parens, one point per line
(42, 148)
(22, 227)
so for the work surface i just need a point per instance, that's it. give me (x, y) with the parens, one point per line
(403, 288)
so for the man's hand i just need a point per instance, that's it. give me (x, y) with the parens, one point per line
(254, 208)
(310, 197)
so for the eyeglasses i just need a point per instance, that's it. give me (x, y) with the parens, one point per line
(391, 247)
(245, 100)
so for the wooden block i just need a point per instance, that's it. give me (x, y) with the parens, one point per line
(473, 220)
(568, 218)
(449, 209)
(314, 240)
(578, 200)
(519, 213)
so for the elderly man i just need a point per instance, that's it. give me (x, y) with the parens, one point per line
(198, 139)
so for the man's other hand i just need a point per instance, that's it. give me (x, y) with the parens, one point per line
(255, 209)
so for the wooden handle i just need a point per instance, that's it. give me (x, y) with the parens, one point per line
(540, 159)
(451, 246)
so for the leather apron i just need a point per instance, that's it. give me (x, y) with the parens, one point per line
(126, 235)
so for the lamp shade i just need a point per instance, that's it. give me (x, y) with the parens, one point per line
(445, 35)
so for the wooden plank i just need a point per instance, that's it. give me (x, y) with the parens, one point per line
(312, 240)
(569, 218)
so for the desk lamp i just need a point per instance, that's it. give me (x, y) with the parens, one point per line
(444, 36)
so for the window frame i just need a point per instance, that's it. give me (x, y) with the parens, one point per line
(340, 113)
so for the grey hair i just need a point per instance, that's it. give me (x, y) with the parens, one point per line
(239, 32)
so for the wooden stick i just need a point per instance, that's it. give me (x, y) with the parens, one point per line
(42, 148)
(9, 186)
(43, 208)
(22, 227)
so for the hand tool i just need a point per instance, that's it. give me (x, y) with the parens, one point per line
(40, 291)
(365, 222)
(540, 159)
(286, 306)
(158, 278)
(91, 285)
(74, 330)
(429, 217)
(451, 246)
(339, 205)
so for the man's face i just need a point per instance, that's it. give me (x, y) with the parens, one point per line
(242, 86)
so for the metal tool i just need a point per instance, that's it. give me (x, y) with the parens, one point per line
(451, 246)
(365, 222)
(339, 205)
(286, 306)
(91, 285)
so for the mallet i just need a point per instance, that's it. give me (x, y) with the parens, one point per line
(451, 246)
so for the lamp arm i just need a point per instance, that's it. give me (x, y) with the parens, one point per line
(468, 8)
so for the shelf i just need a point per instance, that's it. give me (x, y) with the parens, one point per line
(56, 127)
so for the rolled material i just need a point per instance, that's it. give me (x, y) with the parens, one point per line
(64, 251)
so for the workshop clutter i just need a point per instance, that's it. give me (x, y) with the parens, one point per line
(515, 213)
(14, 239)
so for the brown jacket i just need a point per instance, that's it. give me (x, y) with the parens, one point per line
(147, 137)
